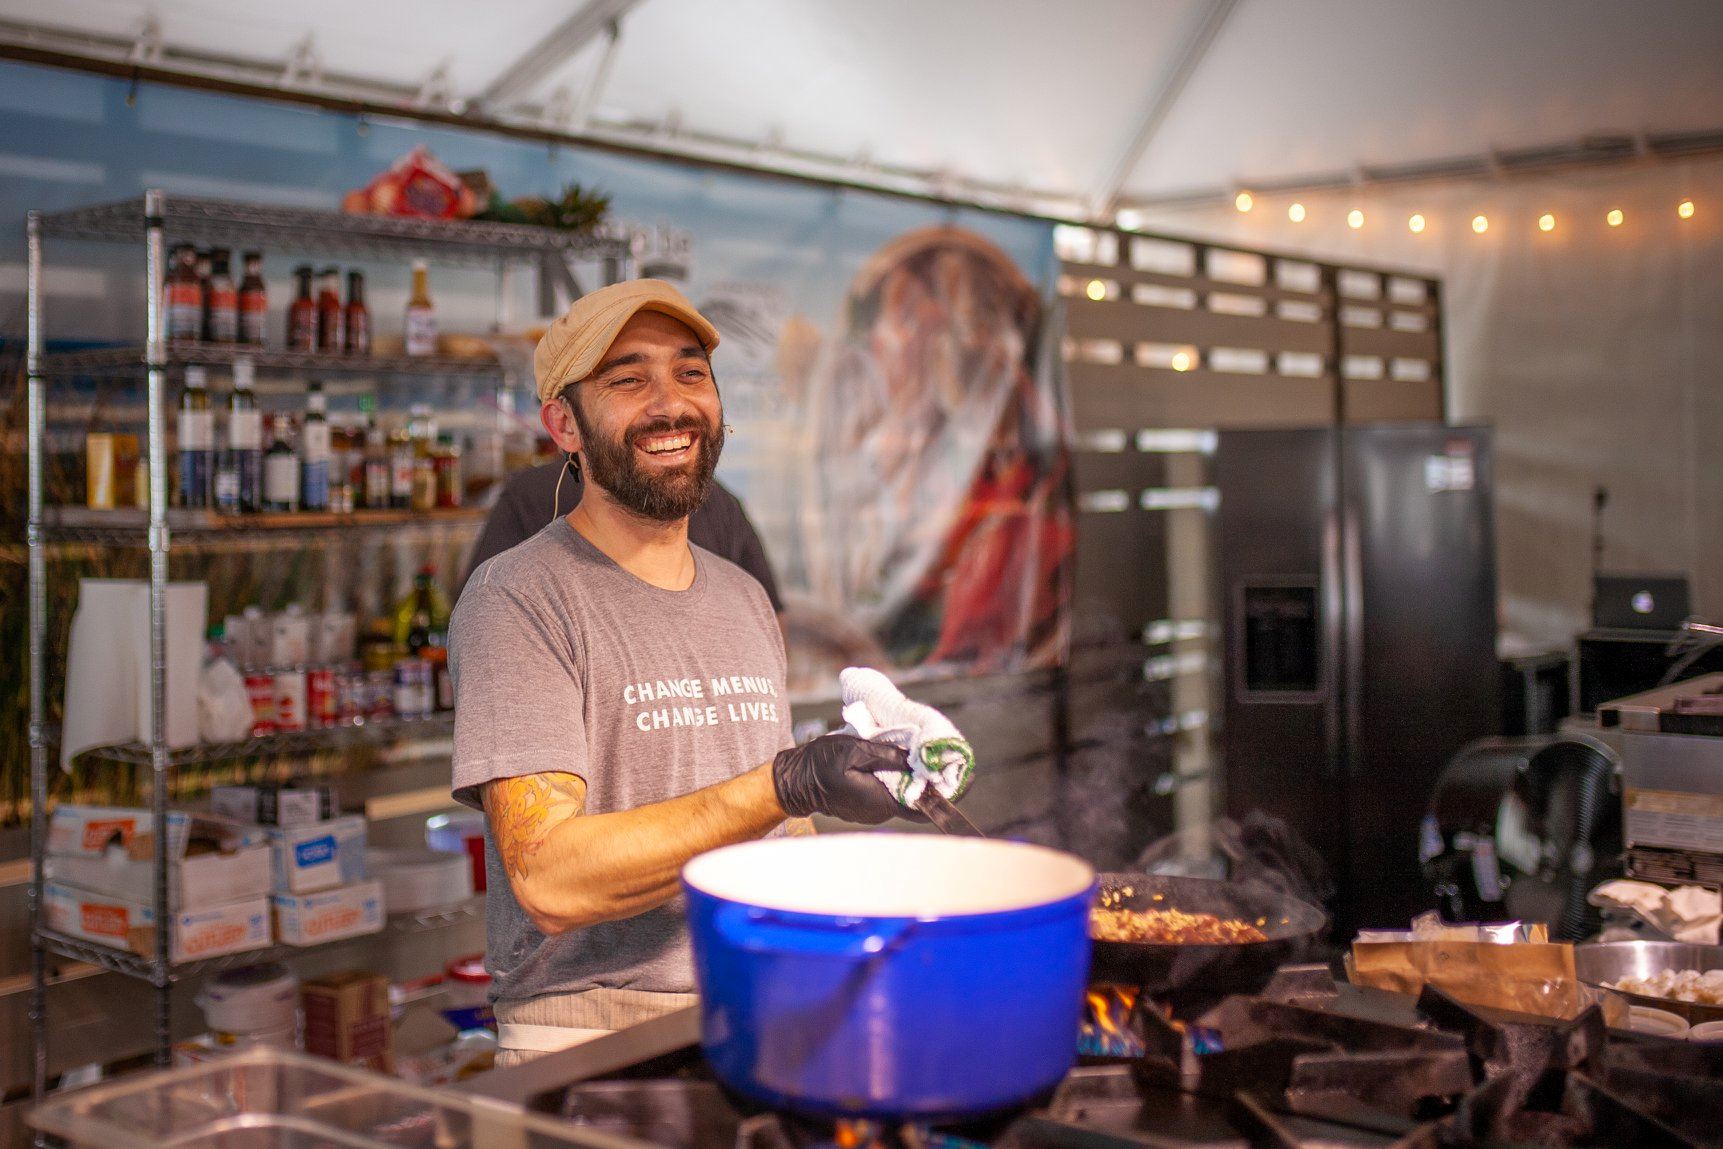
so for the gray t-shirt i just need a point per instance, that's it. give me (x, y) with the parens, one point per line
(563, 661)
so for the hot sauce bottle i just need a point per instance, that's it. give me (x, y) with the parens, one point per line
(302, 315)
(183, 297)
(331, 316)
(221, 300)
(358, 316)
(253, 302)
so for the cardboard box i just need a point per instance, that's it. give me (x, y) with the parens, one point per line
(328, 915)
(320, 856)
(196, 880)
(347, 1018)
(273, 805)
(92, 831)
(197, 933)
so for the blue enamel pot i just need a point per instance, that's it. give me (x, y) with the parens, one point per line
(898, 976)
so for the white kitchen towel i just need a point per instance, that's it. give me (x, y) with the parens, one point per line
(100, 705)
(874, 708)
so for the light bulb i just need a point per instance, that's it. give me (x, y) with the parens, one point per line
(1182, 361)
(1480, 224)
(1546, 222)
(1295, 213)
(1097, 290)
(1685, 209)
(1354, 219)
(1416, 223)
(1243, 201)
(1614, 217)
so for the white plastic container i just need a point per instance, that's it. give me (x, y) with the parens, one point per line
(1656, 1022)
(1706, 1031)
(415, 880)
(253, 1000)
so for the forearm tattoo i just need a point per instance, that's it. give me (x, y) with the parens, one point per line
(523, 811)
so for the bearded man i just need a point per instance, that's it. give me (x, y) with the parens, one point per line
(619, 692)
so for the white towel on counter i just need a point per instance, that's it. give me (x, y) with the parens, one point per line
(874, 708)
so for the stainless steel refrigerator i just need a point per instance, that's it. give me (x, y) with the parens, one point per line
(1358, 582)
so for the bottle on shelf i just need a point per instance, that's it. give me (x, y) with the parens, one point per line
(253, 302)
(422, 430)
(400, 469)
(281, 468)
(224, 487)
(420, 332)
(221, 300)
(376, 481)
(245, 438)
(358, 316)
(446, 459)
(183, 292)
(422, 616)
(314, 451)
(196, 442)
(331, 317)
(302, 313)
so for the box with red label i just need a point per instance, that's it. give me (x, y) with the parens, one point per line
(197, 933)
(91, 831)
(328, 915)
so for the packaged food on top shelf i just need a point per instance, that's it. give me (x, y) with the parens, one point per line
(416, 185)
(328, 915)
(271, 804)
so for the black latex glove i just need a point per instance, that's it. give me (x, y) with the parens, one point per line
(834, 775)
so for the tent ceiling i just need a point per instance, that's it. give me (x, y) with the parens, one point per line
(1042, 103)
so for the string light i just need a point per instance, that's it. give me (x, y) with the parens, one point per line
(1295, 213)
(1685, 209)
(1416, 223)
(1480, 224)
(1097, 290)
(1546, 222)
(1614, 217)
(1354, 219)
(1182, 361)
(1243, 201)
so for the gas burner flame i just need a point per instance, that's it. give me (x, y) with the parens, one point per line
(1106, 1029)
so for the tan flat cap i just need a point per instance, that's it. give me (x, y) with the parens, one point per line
(576, 343)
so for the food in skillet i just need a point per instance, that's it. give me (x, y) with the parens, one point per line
(1111, 922)
(1677, 985)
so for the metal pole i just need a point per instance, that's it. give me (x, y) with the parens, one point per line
(156, 358)
(37, 431)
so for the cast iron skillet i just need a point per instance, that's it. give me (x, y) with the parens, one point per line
(1292, 927)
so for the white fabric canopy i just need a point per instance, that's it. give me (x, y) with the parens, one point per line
(1058, 98)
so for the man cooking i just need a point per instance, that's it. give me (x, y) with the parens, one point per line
(620, 699)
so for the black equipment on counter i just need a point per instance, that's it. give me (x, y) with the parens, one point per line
(1615, 664)
(1639, 601)
(1358, 586)
(1523, 829)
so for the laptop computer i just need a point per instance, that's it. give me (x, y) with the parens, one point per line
(1640, 601)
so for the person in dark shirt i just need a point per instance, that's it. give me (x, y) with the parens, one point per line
(530, 499)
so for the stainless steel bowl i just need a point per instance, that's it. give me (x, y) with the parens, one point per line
(1611, 961)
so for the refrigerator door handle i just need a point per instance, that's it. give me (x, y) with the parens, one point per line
(1333, 629)
(1352, 690)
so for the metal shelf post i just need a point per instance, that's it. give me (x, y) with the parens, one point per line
(37, 433)
(155, 350)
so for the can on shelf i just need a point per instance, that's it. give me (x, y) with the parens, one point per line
(260, 688)
(379, 695)
(349, 695)
(322, 702)
(413, 697)
(289, 700)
